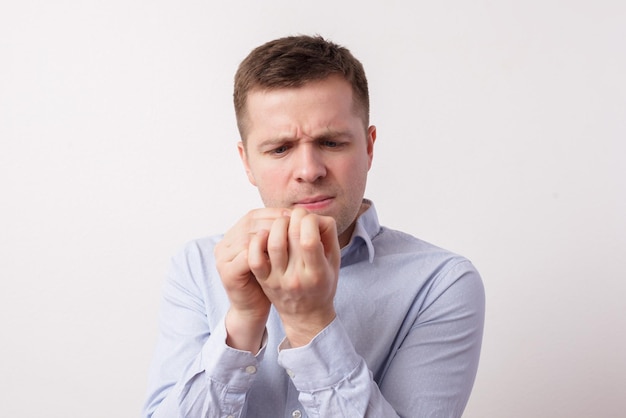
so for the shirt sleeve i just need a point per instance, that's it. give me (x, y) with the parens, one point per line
(429, 373)
(434, 365)
(332, 379)
(193, 372)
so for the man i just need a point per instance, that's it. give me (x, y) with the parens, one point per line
(308, 307)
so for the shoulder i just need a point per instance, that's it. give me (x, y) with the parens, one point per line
(199, 250)
(400, 251)
(391, 241)
(193, 266)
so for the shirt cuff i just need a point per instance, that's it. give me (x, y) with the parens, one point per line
(227, 365)
(327, 360)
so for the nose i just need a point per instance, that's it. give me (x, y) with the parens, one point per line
(309, 164)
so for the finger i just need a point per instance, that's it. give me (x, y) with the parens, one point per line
(295, 248)
(328, 235)
(254, 221)
(238, 237)
(263, 218)
(235, 272)
(318, 240)
(277, 245)
(231, 262)
(258, 260)
(294, 227)
(310, 243)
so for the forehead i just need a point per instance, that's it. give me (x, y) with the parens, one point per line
(325, 102)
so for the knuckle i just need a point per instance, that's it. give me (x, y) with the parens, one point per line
(293, 286)
(308, 243)
(274, 246)
(256, 263)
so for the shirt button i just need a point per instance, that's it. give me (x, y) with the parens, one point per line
(296, 414)
(251, 370)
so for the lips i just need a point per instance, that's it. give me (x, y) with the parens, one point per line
(315, 203)
(310, 200)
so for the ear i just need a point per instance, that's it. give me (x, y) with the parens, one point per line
(371, 138)
(243, 154)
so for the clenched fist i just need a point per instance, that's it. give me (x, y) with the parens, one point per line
(249, 307)
(296, 263)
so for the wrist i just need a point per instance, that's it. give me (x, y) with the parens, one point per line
(300, 331)
(245, 331)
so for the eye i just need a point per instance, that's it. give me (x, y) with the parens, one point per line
(280, 150)
(331, 144)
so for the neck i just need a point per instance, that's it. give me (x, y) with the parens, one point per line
(344, 237)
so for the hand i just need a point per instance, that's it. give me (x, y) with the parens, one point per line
(249, 307)
(296, 262)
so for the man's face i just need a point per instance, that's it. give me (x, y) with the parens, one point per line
(308, 147)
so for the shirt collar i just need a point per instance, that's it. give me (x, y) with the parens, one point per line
(366, 228)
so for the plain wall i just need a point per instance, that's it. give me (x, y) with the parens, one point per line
(501, 136)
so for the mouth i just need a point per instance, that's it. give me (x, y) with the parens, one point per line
(314, 203)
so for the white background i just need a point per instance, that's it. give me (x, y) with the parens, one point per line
(501, 136)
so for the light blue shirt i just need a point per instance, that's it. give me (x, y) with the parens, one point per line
(406, 340)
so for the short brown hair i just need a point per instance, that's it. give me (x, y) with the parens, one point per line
(293, 61)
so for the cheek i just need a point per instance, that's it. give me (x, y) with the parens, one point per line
(271, 184)
(271, 177)
(359, 182)
(355, 172)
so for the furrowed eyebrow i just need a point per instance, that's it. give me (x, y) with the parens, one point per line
(274, 142)
(284, 139)
(330, 134)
